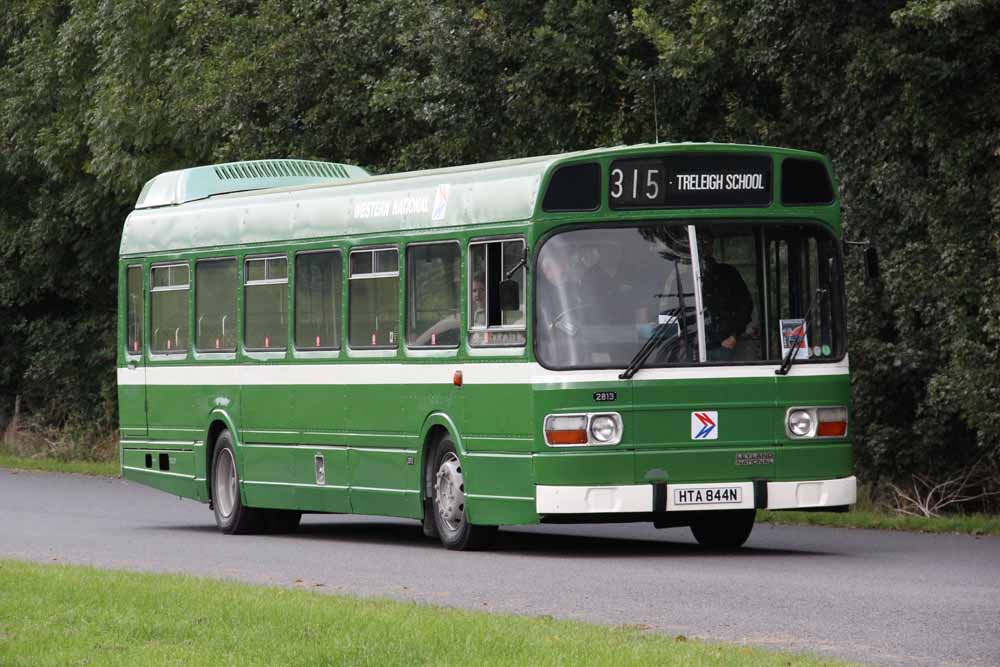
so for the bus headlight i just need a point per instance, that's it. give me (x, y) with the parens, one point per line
(800, 423)
(605, 429)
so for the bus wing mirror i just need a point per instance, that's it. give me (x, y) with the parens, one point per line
(510, 295)
(871, 265)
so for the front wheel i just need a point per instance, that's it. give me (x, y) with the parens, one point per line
(723, 529)
(448, 503)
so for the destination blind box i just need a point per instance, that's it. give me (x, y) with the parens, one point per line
(683, 181)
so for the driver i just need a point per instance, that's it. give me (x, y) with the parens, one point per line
(728, 304)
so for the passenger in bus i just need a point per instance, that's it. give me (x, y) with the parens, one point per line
(478, 303)
(728, 304)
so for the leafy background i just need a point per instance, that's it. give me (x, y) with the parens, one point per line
(99, 96)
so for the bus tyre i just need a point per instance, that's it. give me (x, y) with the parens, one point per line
(723, 529)
(232, 517)
(448, 502)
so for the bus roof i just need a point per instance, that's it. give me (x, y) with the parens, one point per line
(353, 203)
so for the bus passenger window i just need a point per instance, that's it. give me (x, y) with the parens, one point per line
(374, 298)
(433, 279)
(133, 309)
(215, 305)
(317, 300)
(266, 303)
(169, 308)
(489, 324)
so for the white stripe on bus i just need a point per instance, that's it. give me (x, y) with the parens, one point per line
(439, 374)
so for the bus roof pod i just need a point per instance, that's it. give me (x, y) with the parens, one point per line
(185, 185)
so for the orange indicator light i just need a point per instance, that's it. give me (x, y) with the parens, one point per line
(577, 436)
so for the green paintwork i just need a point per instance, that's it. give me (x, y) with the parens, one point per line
(373, 437)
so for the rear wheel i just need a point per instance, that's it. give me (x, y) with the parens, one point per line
(448, 503)
(232, 517)
(723, 529)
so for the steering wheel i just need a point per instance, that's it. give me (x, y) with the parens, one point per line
(564, 314)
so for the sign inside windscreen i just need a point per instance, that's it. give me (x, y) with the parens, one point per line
(682, 181)
(794, 332)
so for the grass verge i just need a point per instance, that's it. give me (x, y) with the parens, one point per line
(60, 615)
(105, 468)
(971, 524)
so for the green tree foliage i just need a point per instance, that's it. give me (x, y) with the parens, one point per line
(100, 96)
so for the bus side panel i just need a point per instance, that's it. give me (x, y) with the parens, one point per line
(167, 470)
(283, 477)
(178, 417)
(385, 482)
(497, 437)
(502, 491)
(176, 412)
(376, 425)
(132, 405)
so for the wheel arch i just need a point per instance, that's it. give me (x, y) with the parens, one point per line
(435, 426)
(218, 421)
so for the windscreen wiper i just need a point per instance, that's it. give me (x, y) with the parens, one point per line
(657, 338)
(786, 364)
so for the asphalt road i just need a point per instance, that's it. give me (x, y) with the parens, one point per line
(872, 596)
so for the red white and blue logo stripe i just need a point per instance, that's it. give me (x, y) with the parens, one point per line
(705, 425)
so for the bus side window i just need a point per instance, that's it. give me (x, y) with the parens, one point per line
(489, 324)
(373, 293)
(133, 310)
(265, 303)
(168, 293)
(317, 300)
(215, 305)
(433, 284)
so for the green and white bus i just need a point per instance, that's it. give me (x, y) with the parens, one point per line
(648, 333)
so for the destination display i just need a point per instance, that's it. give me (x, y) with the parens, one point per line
(683, 181)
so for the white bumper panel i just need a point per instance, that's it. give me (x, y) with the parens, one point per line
(593, 499)
(801, 495)
(639, 497)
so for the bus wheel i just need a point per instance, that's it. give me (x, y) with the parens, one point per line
(723, 529)
(232, 517)
(448, 494)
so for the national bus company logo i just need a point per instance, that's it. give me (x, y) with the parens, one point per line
(705, 425)
(440, 202)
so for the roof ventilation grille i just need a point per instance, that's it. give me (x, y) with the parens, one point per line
(179, 187)
(280, 169)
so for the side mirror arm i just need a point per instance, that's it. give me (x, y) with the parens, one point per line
(522, 262)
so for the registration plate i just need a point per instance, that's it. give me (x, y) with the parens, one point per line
(719, 495)
(710, 496)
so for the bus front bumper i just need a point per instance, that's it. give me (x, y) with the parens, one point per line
(808, 494)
